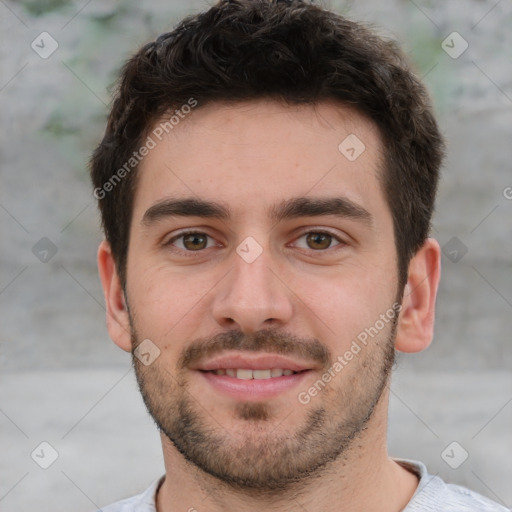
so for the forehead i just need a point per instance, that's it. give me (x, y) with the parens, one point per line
(250, 156)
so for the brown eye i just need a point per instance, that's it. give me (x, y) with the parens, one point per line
(318, 241)
(195, 241)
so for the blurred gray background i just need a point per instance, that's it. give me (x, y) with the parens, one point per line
(64, 382)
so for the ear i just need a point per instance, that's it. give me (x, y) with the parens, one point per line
(415, 327)
(118, 323)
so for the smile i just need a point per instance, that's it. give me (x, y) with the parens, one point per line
(247, 385)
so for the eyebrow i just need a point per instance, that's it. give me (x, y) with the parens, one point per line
(288, 209)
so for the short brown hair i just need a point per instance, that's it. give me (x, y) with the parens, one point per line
(291, 51)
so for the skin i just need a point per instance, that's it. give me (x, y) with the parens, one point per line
(249, 157)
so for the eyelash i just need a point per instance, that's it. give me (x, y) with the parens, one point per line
(170, 242)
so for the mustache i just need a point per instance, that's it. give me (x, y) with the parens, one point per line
(265, 340)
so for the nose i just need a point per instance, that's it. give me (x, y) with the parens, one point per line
(253, 296)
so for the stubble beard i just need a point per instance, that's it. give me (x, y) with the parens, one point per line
(260, 457)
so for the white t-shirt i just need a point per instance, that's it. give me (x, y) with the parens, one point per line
(432, 495)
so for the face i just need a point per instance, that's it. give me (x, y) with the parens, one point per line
(262, 268)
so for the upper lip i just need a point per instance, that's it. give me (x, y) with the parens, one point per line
(252, 361)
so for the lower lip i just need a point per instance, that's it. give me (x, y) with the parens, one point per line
(254, 389)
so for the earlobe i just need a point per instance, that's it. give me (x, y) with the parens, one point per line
(118, 322)
(415, 327)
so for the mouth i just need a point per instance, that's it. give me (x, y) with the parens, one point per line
(253, 377)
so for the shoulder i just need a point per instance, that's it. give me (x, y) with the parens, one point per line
(461, 499)
(435, 495)
(126, 505)
(144, 502)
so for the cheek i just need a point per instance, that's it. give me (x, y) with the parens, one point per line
(342, 307)
(164, 301)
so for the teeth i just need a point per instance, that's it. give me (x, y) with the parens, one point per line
(245, 374)
(261, 374)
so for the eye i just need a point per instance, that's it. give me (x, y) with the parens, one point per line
(191, 241)
(318, 240)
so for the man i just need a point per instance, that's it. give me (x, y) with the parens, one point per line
(266, 184)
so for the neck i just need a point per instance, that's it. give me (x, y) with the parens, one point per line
(364, 478)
